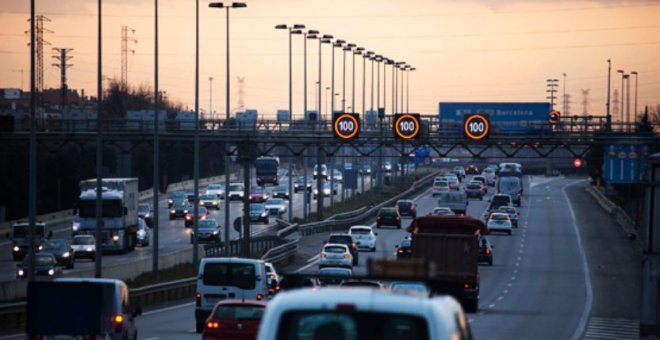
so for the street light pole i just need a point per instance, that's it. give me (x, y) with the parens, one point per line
(623, 74)
(408, 89)
(635, 112)
(156, 147)
(196, 140)
(628, 101)
(210, 96)
(563, 102)
(609, 74)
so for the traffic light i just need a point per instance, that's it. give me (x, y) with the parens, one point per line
(577, 162)
(554, 117)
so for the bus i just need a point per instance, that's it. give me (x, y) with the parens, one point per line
(266, 170)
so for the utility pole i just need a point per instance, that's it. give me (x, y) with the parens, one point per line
(62, 57)
(125, 39)
(552, 88)
(39, 46)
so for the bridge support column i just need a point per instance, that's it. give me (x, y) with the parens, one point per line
(650, 313)
(245, 249)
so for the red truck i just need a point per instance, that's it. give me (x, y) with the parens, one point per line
(451, 246)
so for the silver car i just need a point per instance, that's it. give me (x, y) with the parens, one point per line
(275, 206)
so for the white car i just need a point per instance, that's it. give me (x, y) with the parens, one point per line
(335, 255)
(276, 206)
(307, 313)
(236, 191)
(442, 211)
(364, 237)
(273, 277)
(216, 189)
(489, 174)
(84, 246)
(500, 222)
(210, 201)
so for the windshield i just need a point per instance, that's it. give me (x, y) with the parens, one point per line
(214, 187)
(256, 207)
(238, 312)
(334, 249)
(21, 231)
(230, 274)
(109, 208)
(209, 197)
(55, 245)
(207, 224)
(274, 201)
(144, 208)
(83, 240)
(499, 217)
(236, 187)
(360, 231)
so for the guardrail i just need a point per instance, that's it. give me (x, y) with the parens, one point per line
(620, 216)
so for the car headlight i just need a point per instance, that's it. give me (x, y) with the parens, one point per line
(147, 215)
(89, 249)
(16, 248)
(21, 272)
(141, 233)
(51, 272)
(264, 214)
(215, 232)
(185, 211)
(172, 211)
(75, 226)
(115, 238)
(170, 201)
(41, 247)
(66, 255)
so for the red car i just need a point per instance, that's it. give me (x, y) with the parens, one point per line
(234, 319)
(188, 220)
(259, 197)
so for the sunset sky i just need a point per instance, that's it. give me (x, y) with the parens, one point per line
(472, 50)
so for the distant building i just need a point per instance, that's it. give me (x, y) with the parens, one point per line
(282, 116)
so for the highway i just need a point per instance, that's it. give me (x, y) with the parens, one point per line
(172, 234)
(537, 288)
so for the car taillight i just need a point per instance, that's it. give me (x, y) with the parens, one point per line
(412, 207)
(398, 218)
(378, 217)
(487, 251)
(198, 299)
(260, 297)
(347, 256)
(323, 254)
(400, 251)
(212, 325)
(353, 245)
(119, 322)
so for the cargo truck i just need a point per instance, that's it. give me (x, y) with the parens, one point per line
(451, 246)
(119, 212)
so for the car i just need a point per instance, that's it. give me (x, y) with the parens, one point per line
(146, 212)
(337, 176)
(84, 246)
(210, 201)
(499, 222)
(202, 213)
(327, 192)
(299, 184)
(404, 249)
(236, 191)
(179, 209)
(288, 282)
(190, 194)
(387, 166)
(142, 233)
(442, 211)
(485, 251)
(483, 181)
(324, 171)
(475, 189)
(490, 175)
(258, 196)
(471, 169)
(364, 237)
(365, 170)
(281, 191)
(454, 181)
(208, 230)
(388, 216)
(333, 275)
(335, 255)
(440, 186)
(406, 208)
(459, 171)
(62, 251)
(216, 189)
(175, 197)
(349, 241)
(234, 319)
(258, 213)
(513, 214)
(276, 206)
(273, 277)
(361, 283)
(500, 200)
(361, 313)
(45, 265)
(410, 288)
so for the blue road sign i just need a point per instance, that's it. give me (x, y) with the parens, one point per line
(624, 164)
(503, 117)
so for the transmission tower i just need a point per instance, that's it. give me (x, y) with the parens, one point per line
(39, 49)
(62, 57)
(615, 103)
(125, 40)
(241, 93)
(552, 88)
(585, 101)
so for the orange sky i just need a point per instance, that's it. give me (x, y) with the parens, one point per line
(463, 51)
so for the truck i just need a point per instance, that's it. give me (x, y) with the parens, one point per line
(510, 183)
(266, 170)
(455, 200)
(119, 212)
(450, 244)
(20, 238)
(504, 118)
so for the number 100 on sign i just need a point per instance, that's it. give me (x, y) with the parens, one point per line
(346, 125)
(406, 125)
(476, 126)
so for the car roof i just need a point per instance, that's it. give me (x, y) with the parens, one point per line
(241, 302)
(335, 245)
(360, 227)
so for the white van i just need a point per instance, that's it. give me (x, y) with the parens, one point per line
(221, 278)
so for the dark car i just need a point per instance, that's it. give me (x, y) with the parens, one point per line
(365, 170)
(146, 212)
(190, 195)
(485, 251)
(406, 208)
(346, 239)
(258, 213)
(175, 197)
(45, 265)
(404, 249)
(234, 319)
(388, 216)
(472, 169)
(62, 250)
(208, 230)
(281, 191)
(474, 189)
(289, 282)
(299, 184)
(203, 213)
(259, 196)
(179, 209)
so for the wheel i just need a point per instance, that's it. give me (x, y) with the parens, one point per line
(199, 326)
(471, 306)
(481, 198)
(373, 249)
(509, 232)
(398, 226)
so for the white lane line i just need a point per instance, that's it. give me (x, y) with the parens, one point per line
(517, 264)
(168, 308)
(506, 291)
(13, 336)
(499, 298)
(154, 338)
(306, 266)
(513, 278)
(491, 305)
(519, 258)
(470, 320)
(515, 271)
(509, 285)
(520, 251)
(313, 258)
(587, 279)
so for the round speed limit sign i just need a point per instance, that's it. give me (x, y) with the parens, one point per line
(406, 125)
(476, 126)
(346, 125)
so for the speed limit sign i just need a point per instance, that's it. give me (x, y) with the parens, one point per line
(346, 125)
(476, 126)
(406, 125)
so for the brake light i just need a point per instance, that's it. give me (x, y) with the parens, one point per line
(487, 251)
(213, 325)
(323, 254)
(119, 322)
(198, 299)
(398, 218)
(353, 245)
(346, 255)
(260, 297)
(400, 251)
(412, 207)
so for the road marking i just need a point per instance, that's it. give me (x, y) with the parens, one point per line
(509, 285)
(491, 305)
(306, 266)
(499, 298)
(515, 271)
(470, 320)
(168, 308)
(154, 338)
(587, 279)
(513, 278)
(313, 258)
(609, 328)
(517, 264)
(506, 291)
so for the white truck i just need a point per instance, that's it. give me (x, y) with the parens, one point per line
(119, 212)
